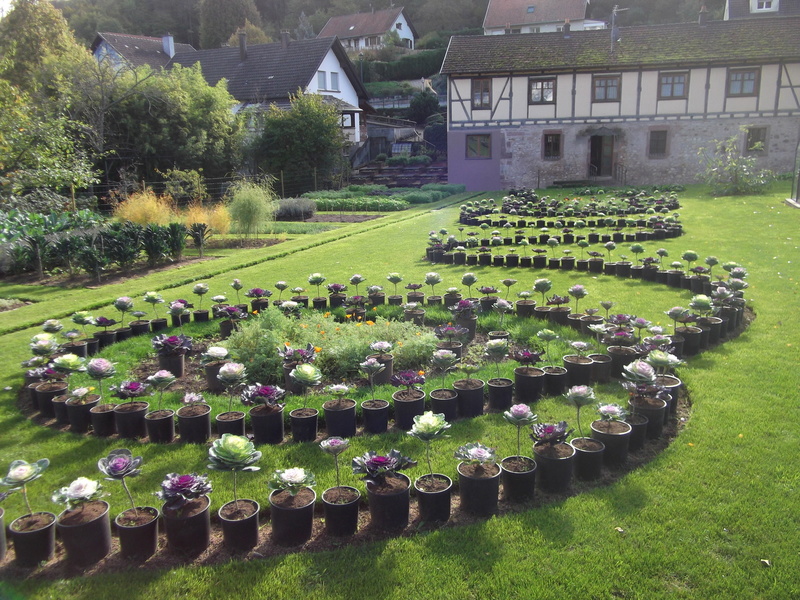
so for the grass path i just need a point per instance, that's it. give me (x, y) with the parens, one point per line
(694, 523)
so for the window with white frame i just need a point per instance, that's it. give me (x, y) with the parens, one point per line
(322, 80)
(334, 81)
(764, 5)
(542, 90)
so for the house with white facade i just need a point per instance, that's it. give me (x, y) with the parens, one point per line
(537, 16)
(636, 107)
(125, 50)
(265, 74)
(745, 9)
(366, 31)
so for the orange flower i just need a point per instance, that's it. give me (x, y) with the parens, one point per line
(370, 323)
(317, 349)
(420, 373)
(348, 316)
(327, 314)
(374, 308)
(322, 332)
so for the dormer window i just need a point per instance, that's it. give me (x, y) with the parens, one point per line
(531, 9)
(398, 26)
(758, 6)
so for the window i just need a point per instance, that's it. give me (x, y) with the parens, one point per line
(551, 146)
(756, 140)
(542, 91)
(605, 88)
(479, 146)
(347, 120)
(672, 85)
(481, 93)
(742, 82)
(398, 26)
(322, 81)
(374, 40)
(764, 5)
(531, 9)
(334, 81)
(535, 29)
(657, 147)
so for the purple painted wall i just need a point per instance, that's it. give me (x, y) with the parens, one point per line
(476, 174)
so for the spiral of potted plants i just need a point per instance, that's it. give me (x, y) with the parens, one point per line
(589, 451)
(433, 490)
(444, 400)
(340, 502)
(374, 411)
(84, 526)
(187, 519)
(646, 397)
(129, 416)
(160, 424)
(291, 502)
(478, 478)
(171, 351)
(305, 420)
(518, 472)
(231, 375)
(33, 534)
(239, 517)
(554, 457)
(410, 401)
(387, 489)
(137, 526)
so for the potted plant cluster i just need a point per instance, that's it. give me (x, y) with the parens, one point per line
(478, 479)
(186, 514)
(291, 502)
(387, 489)
(34, 533)
(84, 526)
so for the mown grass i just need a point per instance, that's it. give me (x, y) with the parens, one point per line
(696, 522)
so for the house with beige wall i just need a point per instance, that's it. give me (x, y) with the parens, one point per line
(632, 108)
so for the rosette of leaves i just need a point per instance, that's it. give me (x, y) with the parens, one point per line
(662, 361)
(52, 326)
(502, 308)
(433, 279)
(370, 368)
(177, 490)
(464, 309)
(171, 345)
(82, 318)
(291, 480)
(375, 467)
(556, 300)
(258, 293)
(678, 314)
(690, 256)
(578, 292)
(469, 279)
(237, 285)
(334, 446)
(123, 304)
(78, 492)
(526, 357)
(413, 287)
(639, 371)
(43, 346)
(475, 453)
(99, 369)
(550, 434)
(580, 347)
(450, 333)
(547, 336)
(519, 415)
(200, 290)
(579, 396)
(233, 453)
(336, 288)
(298, 355)
(266, 395)
(611, 412)
(356, 280)
(128, 390)
(394, 279)
(153, 298)
(542, 286)
(161, 380)
(495, 351)
(508, 283)
(118, 465)
(68, 364)
(427, 427)
(21, 473)
(214, 354)
(233, 313)
(281, 286)
(444, 360)
(178, 308)
(306, 375)
(408, 378)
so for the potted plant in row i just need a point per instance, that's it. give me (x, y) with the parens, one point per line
(291, 502)
(518, 472)
(615, 434)
(160, 424)
(444, 400)
(84, 526)
(185, 511)
(231, 375)
(382, 352)
(212, 360)
(340, 502)
(554, 457)
(589, 451)
(305, 420)
(470, 391)
(171, 351)
(102, 415)
(137, 526)
(387, 489)
(478, 479)
(33, 534)
(129, 416)
(433, 490)
(239, 517)
(194, 419)
(374, 411)
(340, 413)
(408, 402)
(266, 414)
(501, 389)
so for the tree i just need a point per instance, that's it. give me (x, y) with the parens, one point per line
(422, 105)
(304, 29)
(255, 35)
(305, 142)
(730, 173)
(219, 19)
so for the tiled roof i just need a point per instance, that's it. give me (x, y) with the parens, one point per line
(140, 50)
(361, 24)
(740, 9)
(501, 13)
(674, 44)
(270, 72)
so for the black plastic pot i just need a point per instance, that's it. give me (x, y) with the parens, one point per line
(579, 369)
(376, 419)
(234, 425)
(479, 495)
(158, 325)
(140, 327)
(160, 426)
(501, 393)
(129, 419)
(34, 546)
(124, 333)
(389, 512)
(92, 346)
(638, 425)
(102, 419)
(601, 368)
(291, 526)
(588, 461)
(45, 392)
(616, 443)
(518, 486)
(194, 429)
(138, 541)
(175, 364)
(200, 316)
(554, 474)
(105, 338)
(267, 426)
(406, 410)
(211, 371)
(3, 543)
(240, 535)
(655, 417)
(79, 416)
(189, 535)
(341, 519)
(445, 402)
(340, 422)
(470, 401)
(85, 543)
(304, 428)
(555, 380)
(60, 409)
(434, 506)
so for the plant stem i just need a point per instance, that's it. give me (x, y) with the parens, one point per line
(130, 497)
(579, 421)
(336, 463)
(428, 457)
(25, 495)
(519, 430)
(235, 495)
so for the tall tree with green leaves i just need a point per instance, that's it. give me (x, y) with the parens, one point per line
(219, 19)
(305, 143)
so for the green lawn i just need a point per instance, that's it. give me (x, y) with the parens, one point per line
(696, 522)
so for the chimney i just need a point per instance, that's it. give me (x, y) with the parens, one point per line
(242, 45)
(566, 29)
(284, 39)
(703, 18)
(168, 45)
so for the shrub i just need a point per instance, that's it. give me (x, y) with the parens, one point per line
(146, 207)
(256, 343)
(397, 161)
(449, 189)
(421, 159)
(728, 173)
(216, 217)
(252, 205)
(381, 157)
(376, 204)
(422, 197)
(295, 209)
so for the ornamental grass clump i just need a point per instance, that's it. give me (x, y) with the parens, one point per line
(233, 453)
